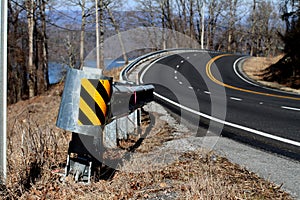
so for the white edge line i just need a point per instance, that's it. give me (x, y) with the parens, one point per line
(267, 135)
(229, 123)
(236, 99)
(240, 76)
(290, 108)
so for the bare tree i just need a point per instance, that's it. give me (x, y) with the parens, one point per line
(28, 50)
(150, 9)
(42, 72)
(253, 26)
(117, 29)
(200, 9)
(181, 23)
(101, 36)
(191, 19)
(71, 52)
(231, 24)
(30, 9)
(163, 23)
(214, 12)
(82, 32)
(16, 58)
(85, 8)
(262, 28)
(288, 9)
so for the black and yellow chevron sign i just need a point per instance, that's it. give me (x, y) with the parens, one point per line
(95, 95)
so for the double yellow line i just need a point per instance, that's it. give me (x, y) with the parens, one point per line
(211, 77)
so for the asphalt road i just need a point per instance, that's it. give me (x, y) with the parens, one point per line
(206, 89)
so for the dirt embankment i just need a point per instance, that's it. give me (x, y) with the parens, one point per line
(37, 149)
(255, 68)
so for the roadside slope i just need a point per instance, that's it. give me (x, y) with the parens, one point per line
(254, 68)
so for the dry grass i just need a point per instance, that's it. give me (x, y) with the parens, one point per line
(201, 175)
(35, 145)
(254, 67)
(113, 73)
(37, 150)
(195, 175)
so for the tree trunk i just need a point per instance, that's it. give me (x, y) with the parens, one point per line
(43, 66)
(192, 33)
(163, 23)
(169, 14)
(200, 8)
(116, 26)
(30, 68)
(45, 47)
(214, 7)
(253, 19)
(232, 20)
(184, 20)
(15, 57)
(82, 34)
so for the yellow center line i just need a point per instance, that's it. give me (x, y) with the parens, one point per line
(211, 77)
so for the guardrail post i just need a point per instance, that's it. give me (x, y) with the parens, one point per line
(110, 135)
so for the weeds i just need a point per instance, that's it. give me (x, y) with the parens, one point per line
(33, 152)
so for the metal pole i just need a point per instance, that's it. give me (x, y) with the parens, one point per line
(3, 88)
(97, 36)
(202, 25)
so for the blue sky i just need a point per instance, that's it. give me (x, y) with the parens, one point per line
(130, 4)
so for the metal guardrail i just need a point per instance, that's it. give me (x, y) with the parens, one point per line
(137, 61)
(99, 113)
(125, 71)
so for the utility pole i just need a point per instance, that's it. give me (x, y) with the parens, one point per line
(3, 88)
(97, 36)
(101, 44)
(202, 25)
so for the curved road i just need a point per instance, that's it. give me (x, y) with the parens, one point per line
(206, 89)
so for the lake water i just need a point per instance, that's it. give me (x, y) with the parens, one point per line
(57, 70)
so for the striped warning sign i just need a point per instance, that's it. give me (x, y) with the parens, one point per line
(95, 95)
